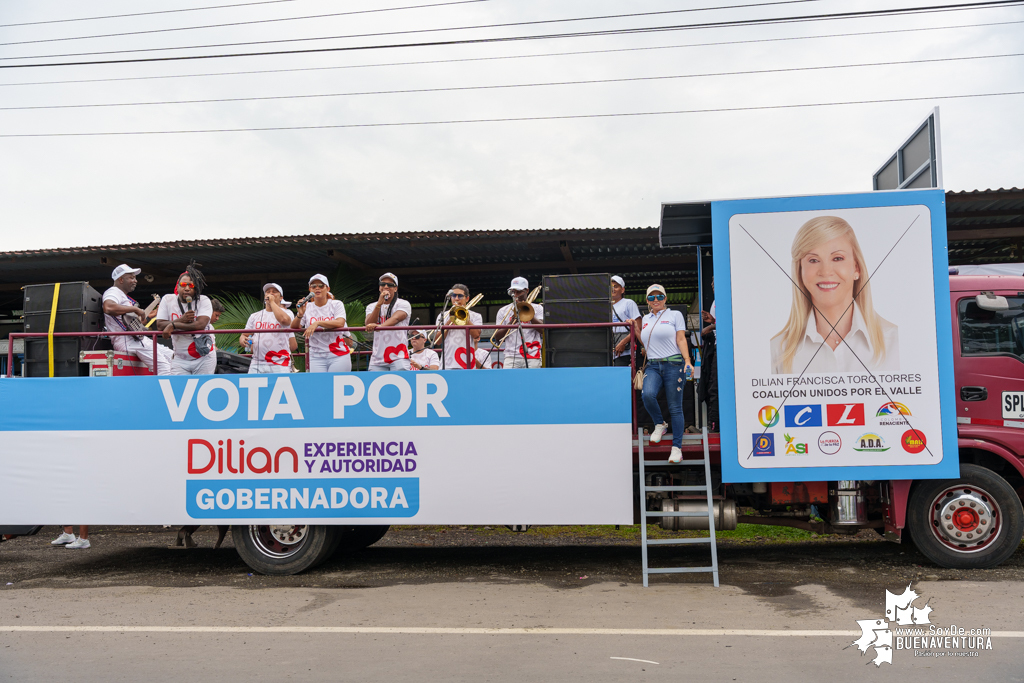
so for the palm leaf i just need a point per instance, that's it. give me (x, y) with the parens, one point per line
(238, 307)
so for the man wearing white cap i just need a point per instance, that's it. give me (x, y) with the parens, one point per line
(623, 311)
(117, 303)
(531, 339)
(271, 352)
(390, 347)
(329, 350)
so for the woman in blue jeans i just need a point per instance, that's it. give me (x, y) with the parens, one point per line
(663, 334)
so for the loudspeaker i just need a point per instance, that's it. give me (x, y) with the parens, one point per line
(578, 299)
(79, 309)
(588, 287)
(73, 296)
(579, 348)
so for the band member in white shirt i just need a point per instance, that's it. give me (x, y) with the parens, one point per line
(390, 351)
(189, 310)
(328, 351)
(531, 339)
(271, 352)
(456, 355)
(422, 358)
(116, 303)
(623, 311)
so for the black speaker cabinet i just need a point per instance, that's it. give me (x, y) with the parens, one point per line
(79, 309)
(579, 348)
(570, 299)
(73, 296)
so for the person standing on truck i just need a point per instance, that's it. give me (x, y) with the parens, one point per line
(663, 334)
(188, 310)
(530, 342)
(271, 352)
(457, 356)
(627, 312)
(327, 352)
(116, 304)
(390, 347)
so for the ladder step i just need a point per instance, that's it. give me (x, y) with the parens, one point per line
(675, 488)
(686, 513)
(677, 541)
(679, 570)
(666, 463)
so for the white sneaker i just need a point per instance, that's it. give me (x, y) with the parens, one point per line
(63, 539)
(80, 543)
(675, 456)
(659, 432)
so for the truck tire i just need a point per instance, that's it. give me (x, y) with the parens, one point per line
(354, 538)
(283, 549)
(973, 522)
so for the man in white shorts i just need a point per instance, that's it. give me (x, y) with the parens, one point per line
(117, 303)
(271, 352)
(188, 310)
(390, 347)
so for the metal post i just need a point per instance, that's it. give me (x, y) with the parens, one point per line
(643, 506)
(156, 355)
(10, 353)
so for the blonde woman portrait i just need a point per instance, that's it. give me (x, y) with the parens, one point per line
(831, 274)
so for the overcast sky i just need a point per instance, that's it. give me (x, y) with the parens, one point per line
(599, 172)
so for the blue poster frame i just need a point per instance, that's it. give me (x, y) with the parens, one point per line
(721, 213)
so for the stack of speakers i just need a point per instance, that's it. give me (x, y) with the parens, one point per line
(578, 299)
(79, 309)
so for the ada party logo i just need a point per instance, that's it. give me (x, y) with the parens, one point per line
(892, 413)
(829, 443)
(913, 441)
(768, 416)
(793, 448)
(870, 443)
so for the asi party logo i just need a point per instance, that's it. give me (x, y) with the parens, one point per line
(913, 441)
(793, 448)
(845, 414)
(893, 413)
(870, 443)
(768, 416)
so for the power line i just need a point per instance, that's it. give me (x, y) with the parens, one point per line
(565, 117)
(458, 2)
(266, 21)
(143, 14)
(510, 85)
(528, 56)
(989, 4)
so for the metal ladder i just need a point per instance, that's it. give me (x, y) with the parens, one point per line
(710, 512)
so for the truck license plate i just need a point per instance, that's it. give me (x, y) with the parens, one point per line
(1013, 405)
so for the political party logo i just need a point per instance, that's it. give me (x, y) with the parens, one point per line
(870, 443)
(845, 414)
(803, 416)
(793, 448)
(892, 413)
(906, 626)
(764, 444)
(829, 443)
(768, 416)
(913, 441)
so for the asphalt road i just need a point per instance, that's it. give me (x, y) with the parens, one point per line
(482, 605)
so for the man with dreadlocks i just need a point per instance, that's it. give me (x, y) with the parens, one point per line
(188, 310)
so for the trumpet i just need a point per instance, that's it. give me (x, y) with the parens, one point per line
(522, 312)
(459, 315)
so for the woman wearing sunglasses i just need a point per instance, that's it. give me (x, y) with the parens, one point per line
(456, 355)
(328, 351)
(390, 347)
(663, 334)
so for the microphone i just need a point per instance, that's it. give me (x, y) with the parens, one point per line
(304, 300)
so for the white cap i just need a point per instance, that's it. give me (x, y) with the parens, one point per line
(622, 283)
(520, 283)
(275, 286)
(315, 278)
(124, 269)
(393, 277)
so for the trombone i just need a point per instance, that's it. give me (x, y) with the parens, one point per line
(457, 315)
(522, 312)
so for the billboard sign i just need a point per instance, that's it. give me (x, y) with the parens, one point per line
(548, 446)
(917, 163)
(834, 338)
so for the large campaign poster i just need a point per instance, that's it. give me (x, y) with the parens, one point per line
(834, 338)
(550, 446)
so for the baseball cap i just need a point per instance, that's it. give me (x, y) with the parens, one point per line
(520, 283)
(619, 280)
(316, 278)
(394, 278)
(274, 285)
(124, 269)
(656, 288)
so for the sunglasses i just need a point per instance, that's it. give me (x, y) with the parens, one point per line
(656, 297)
(391, 285)
(317, 285)
(458, 296)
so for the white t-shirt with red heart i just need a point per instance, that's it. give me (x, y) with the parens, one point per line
(532, 335)
(426, 358)
(329, 343)
(270, 348)
(390, 345)
(456, 357)
(170, 309)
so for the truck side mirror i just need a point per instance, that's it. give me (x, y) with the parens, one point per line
(987, 301)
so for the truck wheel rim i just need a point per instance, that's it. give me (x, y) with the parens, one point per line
(279, 540)
(966, 519)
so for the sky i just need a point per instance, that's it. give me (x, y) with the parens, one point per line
(610, 171)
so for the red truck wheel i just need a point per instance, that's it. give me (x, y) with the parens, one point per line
(284, 549)
(973, 522)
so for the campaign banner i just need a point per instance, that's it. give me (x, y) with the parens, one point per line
(544, 446)
(834, 337)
